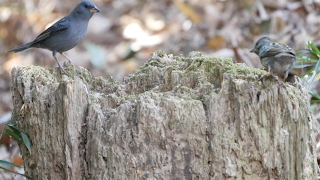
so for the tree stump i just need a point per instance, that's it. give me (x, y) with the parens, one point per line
(188, 117)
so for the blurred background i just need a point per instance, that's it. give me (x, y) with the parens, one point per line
(121, 37)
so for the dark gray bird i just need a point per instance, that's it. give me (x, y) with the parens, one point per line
(64, 34)
(277, 58)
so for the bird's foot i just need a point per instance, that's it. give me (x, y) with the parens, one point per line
(62, 69)
(268, 76)
(71, 63)
(67, 58)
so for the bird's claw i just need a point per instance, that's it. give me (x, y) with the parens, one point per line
(264, 77)
(62, 69)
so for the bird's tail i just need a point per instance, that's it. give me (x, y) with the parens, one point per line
(21, 48)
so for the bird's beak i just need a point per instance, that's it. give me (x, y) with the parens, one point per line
(253, 50)
(94, 10)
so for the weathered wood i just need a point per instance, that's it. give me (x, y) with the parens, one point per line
(175, 118)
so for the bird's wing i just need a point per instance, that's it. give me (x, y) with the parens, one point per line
(56, 28)
(286, 54)
(286, 51)
(275, 50)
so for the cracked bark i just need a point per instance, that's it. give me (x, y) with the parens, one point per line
(189, 117)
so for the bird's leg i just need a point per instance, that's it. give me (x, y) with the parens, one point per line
(270, 70)
(61, 68)
(269, 74)
(285, 76)
(67, 58)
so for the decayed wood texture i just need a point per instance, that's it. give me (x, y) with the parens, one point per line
(188, 117)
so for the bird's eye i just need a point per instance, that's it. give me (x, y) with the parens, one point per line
(86, 6)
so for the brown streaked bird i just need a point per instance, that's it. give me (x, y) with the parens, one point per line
(277, 58)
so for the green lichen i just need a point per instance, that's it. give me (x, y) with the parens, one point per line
(179, 58)
(38, 73)
(161, 53)
(172, 123)
(84, 74)
(185, 89)
(131, 97)
(194, 54)
(119, 99)
(144, 69)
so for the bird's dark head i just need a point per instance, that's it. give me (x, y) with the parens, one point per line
(86, 9)
(262, 41)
